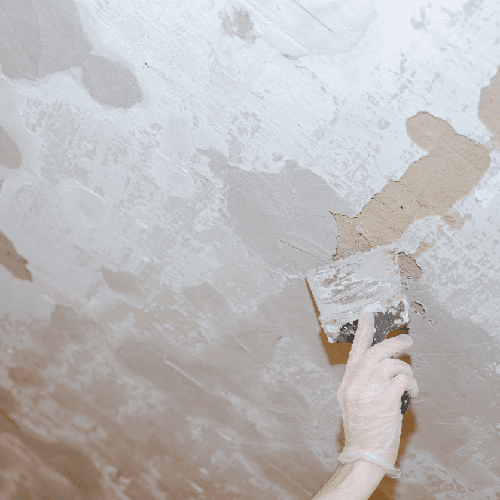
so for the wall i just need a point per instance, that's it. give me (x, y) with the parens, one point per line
(169, 172)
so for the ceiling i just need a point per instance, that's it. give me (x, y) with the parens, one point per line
(169, 173)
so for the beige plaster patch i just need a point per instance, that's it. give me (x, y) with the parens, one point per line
(408, 266)
(11, 260)
(418, 308)
(430, 186)
(455, 220)
(422, 247)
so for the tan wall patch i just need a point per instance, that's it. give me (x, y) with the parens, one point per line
(455, 220)
(430, 186)
(422, 247)
(12, 261)
(408, 266)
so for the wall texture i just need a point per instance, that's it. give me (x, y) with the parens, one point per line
(169, 172)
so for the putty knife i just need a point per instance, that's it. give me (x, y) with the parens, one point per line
(345, 288)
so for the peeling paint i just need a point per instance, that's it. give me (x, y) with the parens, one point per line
(171, 174)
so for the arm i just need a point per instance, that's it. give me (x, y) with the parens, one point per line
(370, 400)
(352, 481)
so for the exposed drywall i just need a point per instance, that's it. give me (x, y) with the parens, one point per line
(169, 173)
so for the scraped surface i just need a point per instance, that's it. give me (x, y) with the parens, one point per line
(170, 171)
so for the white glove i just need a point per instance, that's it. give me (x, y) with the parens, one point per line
(370, 397)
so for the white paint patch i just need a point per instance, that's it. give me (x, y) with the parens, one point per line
(422, 230)
(81, 206)
(305, 27)
(489, 190)
(462, 267)
(172, 176)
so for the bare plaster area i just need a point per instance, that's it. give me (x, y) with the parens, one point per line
(169, 173)
(430, 186)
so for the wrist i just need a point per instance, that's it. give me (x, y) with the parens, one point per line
(348, 455)
(355, 480)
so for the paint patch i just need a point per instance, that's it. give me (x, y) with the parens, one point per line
(284, 217)
(382, 124)
(110, 83)
(315, 27)
(420, 24)
(430, 186)
(11, 260)
(82, 206)
(240, 25)
(489, 106)
(122, 282)
(10, 155)
(39, 37)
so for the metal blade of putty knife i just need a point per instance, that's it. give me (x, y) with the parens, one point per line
(344, 288)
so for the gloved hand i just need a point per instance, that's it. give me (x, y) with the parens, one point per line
(370, 397)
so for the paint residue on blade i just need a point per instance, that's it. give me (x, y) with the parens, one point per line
(343, 289)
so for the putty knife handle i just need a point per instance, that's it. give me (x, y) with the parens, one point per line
(405, 402)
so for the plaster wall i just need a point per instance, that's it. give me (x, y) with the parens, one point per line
(169, 172)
